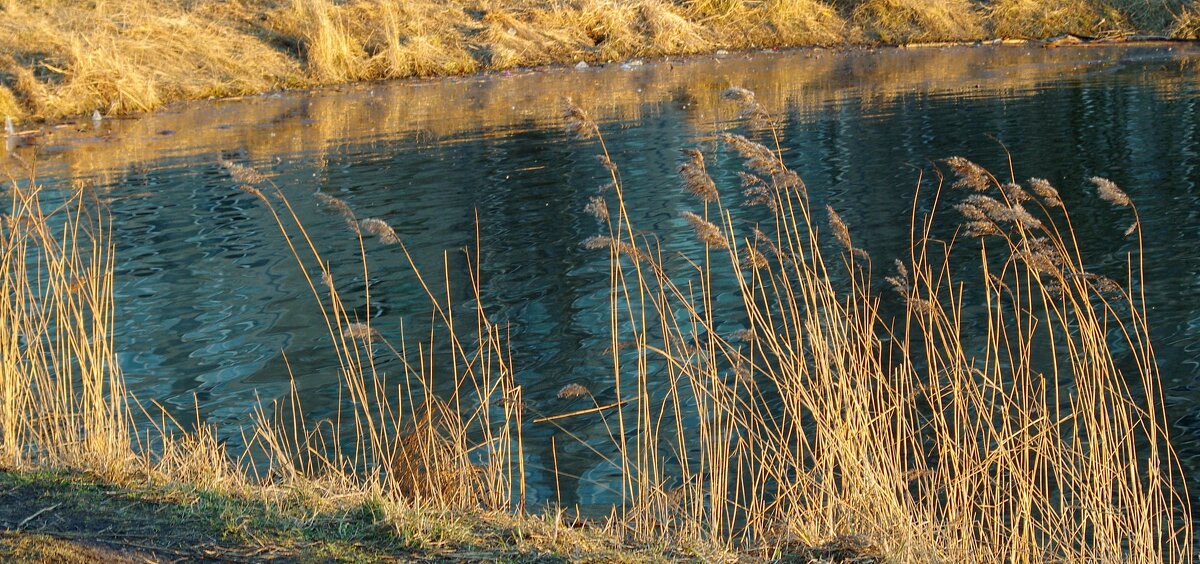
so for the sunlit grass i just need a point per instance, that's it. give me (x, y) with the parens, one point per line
(62, 59)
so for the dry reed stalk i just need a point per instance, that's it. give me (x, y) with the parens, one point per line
(695, 177)
(62, 398)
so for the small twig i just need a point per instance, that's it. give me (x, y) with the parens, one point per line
(582, 411)
(21, 525)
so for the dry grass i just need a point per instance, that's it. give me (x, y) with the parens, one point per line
(919, 21)
(66, 59)
(1187, 25)
(121, 57)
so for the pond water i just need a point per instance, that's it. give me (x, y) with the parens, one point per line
(209, 296)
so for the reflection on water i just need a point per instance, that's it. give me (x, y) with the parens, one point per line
(210, 297)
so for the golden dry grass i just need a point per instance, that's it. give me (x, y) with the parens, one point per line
(64, 59)
(123, 57)
(919, 21)
(1187, 25)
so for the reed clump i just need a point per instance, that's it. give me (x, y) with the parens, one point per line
(62, 400)
(1041, 438)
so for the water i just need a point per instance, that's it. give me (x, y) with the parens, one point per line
(210, 297)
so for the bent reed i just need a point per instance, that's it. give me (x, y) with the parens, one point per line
(62, 59)
(823, 421)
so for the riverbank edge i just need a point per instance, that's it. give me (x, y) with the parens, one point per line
(69, 516)
(19, 87)
(37, 125)
(74, 516)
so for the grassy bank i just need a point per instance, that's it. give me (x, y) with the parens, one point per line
(761, 396)
(60, 516)
(61, 59)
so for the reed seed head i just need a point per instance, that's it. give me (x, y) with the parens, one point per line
(1017, 214)
(341, 207)
(695, 177)
(970, 175)
(1109, 192)
(597, 242)
(981, 229)
(577, 122)
(744, 335)
(757, 191)
(243, 174)
(757, 156)
(597, 207)
(252, 191)
(337, 204)
(361, 331)
(1014, 193)
(900, 281)
(754, 260)
(1049, 194)
(708, 233)
(573, 391)
(607, 163)
(971, 211)
(840, 231)
(763, 239)
(381, 229)
(1101, 284)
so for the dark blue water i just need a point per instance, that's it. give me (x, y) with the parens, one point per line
(210, 297)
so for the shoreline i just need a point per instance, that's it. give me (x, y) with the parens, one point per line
(60, 63)
(37, 127)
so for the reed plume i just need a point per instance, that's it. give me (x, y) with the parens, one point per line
(707, 232)
(578, 122)
(597, 207)
(970, 175)
(341, 207)
(840, 231)
(243, 174)
(381, 229)
(695, 177)
(1110, 193)
(356, 330)
(1049, 194)
(573, 391)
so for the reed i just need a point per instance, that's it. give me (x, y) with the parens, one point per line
(1041, 439)
(62, 398)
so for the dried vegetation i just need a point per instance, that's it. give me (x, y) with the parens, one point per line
(61, 59)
